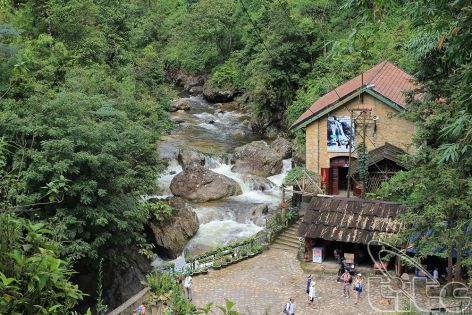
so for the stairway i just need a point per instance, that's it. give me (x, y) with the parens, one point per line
(289, 240)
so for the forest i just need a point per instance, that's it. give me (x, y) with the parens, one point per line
(85, 94)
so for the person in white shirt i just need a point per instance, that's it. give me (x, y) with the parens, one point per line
(188, 287)
(312, 293)
(289, 307)
(436, 274)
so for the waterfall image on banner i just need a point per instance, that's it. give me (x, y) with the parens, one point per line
(339, 132)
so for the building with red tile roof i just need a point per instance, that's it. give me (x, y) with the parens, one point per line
(366, 108)
(385, 79)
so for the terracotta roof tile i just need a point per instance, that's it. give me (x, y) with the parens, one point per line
(388, 80)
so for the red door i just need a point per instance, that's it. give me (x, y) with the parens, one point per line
(333, 181)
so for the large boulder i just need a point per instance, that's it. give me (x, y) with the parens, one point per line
(172, 234)
(257, 158)
(216, 95)
(189, 80)
(283, 147)
(188, 158)
(199, 184)
(258, 183)
(180, 104)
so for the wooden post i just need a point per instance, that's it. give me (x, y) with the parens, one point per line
(282, 205)
(350, 158)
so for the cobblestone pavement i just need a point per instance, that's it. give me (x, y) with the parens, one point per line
(263, 284)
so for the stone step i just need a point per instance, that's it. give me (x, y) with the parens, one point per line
(294, 234)
(291, 231)
(285, 243)
(289, 238)
(284, 248)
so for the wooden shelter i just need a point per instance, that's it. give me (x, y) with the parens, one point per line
(351, 220)
(382, 164)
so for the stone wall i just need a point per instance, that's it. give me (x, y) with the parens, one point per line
(390, 127)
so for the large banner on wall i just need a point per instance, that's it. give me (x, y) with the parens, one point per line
(339, 132)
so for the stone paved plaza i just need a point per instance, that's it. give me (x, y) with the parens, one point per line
(263, 284)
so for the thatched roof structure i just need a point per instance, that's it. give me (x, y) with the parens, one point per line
(386, 152)
(350, 220)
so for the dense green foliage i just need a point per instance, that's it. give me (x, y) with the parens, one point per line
(82, 98)
(284, 53)
(33, 279)
(83, 101)
(438, 187)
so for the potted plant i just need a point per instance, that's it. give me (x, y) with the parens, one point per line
(243, 253)
(226, 261)
(217, 265)
(258, 248)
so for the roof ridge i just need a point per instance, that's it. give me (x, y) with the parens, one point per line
(391, 86)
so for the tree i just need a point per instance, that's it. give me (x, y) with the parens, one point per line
(33, 280)
(438, 186)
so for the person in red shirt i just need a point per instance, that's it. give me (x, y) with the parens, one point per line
(346, 279)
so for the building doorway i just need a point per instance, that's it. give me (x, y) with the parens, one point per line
(338, 172)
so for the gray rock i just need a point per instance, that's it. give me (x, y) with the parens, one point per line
(258, 183)
(198, 184)
(257, 158)
(217, 95)
(180, 105)
(188, 158)
(196, 90)
(189, 80)
(299, 157)
(172, 234)
(283, 147)
(259, 210)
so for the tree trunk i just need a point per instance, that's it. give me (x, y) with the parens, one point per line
(449, 272)
(458, 266)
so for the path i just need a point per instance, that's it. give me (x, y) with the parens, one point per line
(265, 282)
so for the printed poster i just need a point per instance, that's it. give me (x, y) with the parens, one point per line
(339, 132)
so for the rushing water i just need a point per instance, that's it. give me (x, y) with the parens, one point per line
(211, 129)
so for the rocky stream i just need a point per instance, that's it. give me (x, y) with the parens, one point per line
(229, 176)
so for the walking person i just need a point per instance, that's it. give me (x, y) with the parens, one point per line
(308, 281)
(188, 287)
(312, 293)
(346, 279)
(436, 274)
(289, 308)
(358, 285)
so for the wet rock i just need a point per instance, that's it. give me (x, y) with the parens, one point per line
(189, 80)
(198, 184)
(283, 147)
(179, 120)
(258, 183)
(219, 111)
(257, 158)
(183, 104)
(215, 94)
(259, 210)
(299, 157)
(238, 132)
(172, 234)
(188, 158)
(196, 90)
